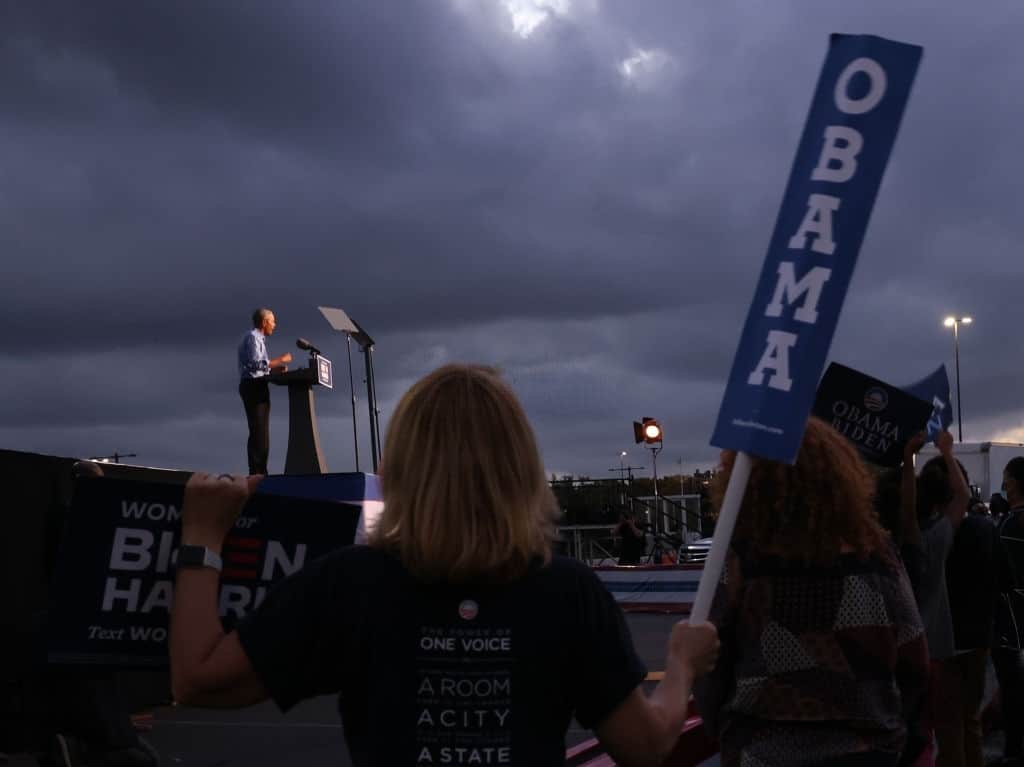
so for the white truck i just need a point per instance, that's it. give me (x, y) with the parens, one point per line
(984, 462)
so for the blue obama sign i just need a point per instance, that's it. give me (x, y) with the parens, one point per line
(857, 107)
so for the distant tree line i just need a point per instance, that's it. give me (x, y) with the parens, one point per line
(586, 501)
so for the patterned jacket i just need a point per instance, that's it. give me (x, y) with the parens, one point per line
(816, 664)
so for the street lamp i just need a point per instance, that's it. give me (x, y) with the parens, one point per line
(624, 470)
(622, 478)
(955, 323)
(115, 458)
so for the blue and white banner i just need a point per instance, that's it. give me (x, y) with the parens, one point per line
(856, 111)
(652, 588)
(935, 389)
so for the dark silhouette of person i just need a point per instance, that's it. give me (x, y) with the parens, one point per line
(631, 550)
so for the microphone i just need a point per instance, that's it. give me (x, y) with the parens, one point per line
(302, 343)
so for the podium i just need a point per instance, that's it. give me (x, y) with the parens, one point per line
(304, 454)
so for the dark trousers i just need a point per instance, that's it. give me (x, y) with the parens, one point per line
(1009, 665)
(255, 393)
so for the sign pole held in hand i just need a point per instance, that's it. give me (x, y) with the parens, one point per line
(715, 560)
(850, 131)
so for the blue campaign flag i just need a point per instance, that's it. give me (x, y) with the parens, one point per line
(856, 111)
(935, 389)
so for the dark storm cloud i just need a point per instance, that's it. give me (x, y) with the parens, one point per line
(182, 205)
(467, 193)
(288, 73)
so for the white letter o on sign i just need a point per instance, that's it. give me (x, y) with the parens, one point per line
(876, 91)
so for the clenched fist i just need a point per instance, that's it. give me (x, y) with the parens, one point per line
(696, 647)
(212, 504)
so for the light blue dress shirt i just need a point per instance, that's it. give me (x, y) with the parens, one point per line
(253, 361)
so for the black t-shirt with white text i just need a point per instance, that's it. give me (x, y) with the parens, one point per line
(440, 674)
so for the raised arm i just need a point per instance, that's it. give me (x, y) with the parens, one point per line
(208, 667)
(910, 530)
(956, 509)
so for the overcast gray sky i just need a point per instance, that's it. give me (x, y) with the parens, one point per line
(579, 191)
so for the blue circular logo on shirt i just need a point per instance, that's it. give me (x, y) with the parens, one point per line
(468, 609)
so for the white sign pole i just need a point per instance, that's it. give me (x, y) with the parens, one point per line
(723, 536)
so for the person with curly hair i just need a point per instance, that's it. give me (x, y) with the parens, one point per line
(823, 657)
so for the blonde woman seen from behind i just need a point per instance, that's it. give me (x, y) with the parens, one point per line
(455, 636)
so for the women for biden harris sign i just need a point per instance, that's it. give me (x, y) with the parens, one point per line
(850, 131)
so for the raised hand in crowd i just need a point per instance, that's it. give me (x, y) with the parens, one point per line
(944, 442)
(913, 446)
(910, 532)
(206, 670)
(956, 509)
(910, 545)
(212, 505)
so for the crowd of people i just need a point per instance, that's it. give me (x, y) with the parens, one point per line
(858, 614)
(852, 626)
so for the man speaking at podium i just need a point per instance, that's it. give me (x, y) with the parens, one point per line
(254, 365)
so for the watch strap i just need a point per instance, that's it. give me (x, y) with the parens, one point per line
(198, 556)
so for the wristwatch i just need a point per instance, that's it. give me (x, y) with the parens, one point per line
(198, 556)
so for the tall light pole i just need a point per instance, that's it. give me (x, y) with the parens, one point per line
(955, 323)
(115, 458)
(622, 478)
(623, 470)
